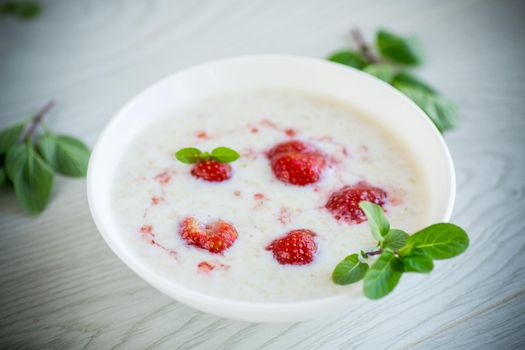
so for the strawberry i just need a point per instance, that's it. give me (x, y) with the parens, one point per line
(208, 166)
(211, 170)
(344, 203)
(215, 237)
(294, 146)
(298, 168)
(297, 247)
(296, 162)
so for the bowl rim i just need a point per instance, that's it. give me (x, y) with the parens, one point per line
(187, 295)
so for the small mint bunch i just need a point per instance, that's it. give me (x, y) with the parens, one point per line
(390, 59)
(29, 160)
(398, 253)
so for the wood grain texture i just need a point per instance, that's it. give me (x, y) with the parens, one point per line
(62, 288)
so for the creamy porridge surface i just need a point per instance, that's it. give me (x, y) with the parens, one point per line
(153, 192)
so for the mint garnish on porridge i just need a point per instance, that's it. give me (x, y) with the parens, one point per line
(191, 155)
(398, 253)
(211, 167)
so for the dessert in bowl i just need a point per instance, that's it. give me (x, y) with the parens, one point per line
(258, 238)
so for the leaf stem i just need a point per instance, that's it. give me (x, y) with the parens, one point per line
(37, 120)
(363, 47)
(374, 252)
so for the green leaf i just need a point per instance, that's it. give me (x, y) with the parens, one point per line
(22, 10)
(3, 177)
(439, 241)
(224, 155)
(395, 239)
(10, 136)
(407, 79)
(349, 270)
(189, 155)
(383, 275)
(382, 71)
(441, 111)
(417, 261)
(31, 176)
(377, 220)
(67, 155)
(348, 58)
(398, 49)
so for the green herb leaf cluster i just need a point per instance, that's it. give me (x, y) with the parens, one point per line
(191, 155)
(28, 161)
(393, 58)
(398, 253)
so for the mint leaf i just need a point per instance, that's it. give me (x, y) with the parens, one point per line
(189, 155)
(442, 112)
(377, 220)
(407, 79)
(349, 270)
(348, 58)
(398, 49)
(22, 10)
(10, 136)
(417, 261)
(383, 275)
(67, 155)
(384, 72)
(31, 176)
(395, 239)
(438, 241)
(224, 155)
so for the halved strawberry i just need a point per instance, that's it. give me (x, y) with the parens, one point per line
(211, 170)
(296, 162)
(297, 247)
(215, 236)
(344, 203)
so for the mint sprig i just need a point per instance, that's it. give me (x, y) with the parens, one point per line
(191, 155)
(29, 160)
(398, 253)
(390, 62)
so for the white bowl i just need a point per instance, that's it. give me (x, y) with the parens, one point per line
(393, 110)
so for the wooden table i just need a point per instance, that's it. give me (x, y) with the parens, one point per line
(60, 285)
